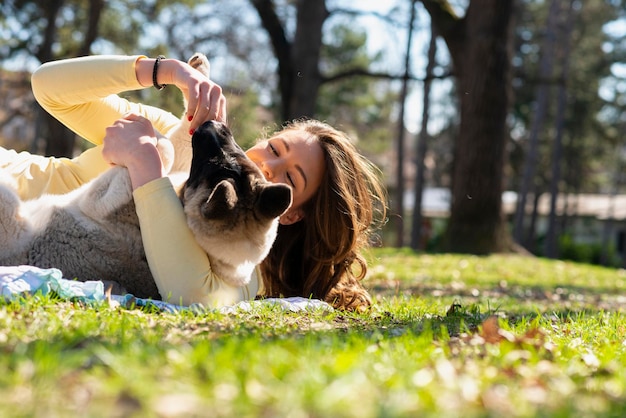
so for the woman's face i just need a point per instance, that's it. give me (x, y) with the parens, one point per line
(295, 158)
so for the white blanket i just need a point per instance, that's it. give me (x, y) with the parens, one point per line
(17, 281)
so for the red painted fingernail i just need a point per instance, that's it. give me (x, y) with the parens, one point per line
(191, 131)
(189, 118)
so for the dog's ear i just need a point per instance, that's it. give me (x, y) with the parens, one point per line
(273, 200)
(221, 201)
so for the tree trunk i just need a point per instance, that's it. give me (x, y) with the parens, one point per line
(480, 46)
(298, 72)
(282, 51)
(530, 239)
(399, 201)
(61, 140)
(557, 152)
(307, 44)
(93, 23)
(541, 109)
(422, 144)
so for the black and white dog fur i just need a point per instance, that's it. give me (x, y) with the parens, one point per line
(92, 233)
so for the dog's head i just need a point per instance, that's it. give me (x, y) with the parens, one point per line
(230, 207)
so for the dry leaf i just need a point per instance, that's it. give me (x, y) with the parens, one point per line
(490, 330)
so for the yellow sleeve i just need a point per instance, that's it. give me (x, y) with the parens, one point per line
(35, 175)
(180, 267)
(82, 93)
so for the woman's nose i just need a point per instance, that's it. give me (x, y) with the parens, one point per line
(267, 169)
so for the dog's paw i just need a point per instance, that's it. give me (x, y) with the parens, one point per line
(200, 62)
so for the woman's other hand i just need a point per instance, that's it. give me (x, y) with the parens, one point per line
(205, 100)
(132, 142)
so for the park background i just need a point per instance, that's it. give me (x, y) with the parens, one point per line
(498, 125)
(475, 103)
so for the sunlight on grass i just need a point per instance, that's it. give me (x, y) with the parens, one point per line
(449, 335)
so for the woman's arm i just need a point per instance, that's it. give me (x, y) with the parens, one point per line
(181, 269)
(204, 98)
(82, 93)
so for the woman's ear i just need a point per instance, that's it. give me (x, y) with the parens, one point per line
(291, 216)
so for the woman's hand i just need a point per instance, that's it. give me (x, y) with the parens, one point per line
(205, 100)
(132, 142)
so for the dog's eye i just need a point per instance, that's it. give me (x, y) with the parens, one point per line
(272, 149)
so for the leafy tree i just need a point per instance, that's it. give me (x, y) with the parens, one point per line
(39, 27)
(355, 103)
(589, 127)
(50, 30)
(298, 58)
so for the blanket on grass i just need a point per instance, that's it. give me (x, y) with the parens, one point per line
(18, 281)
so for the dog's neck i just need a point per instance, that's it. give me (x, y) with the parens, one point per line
(233, 274)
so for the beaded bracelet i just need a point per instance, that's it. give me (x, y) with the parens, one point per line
(154, 73)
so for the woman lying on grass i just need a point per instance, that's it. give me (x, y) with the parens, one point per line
(336, 191)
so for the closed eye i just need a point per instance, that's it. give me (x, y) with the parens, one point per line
(274, 151)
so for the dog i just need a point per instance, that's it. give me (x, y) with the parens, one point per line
(92, 233)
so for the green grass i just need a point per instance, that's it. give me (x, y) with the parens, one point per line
(449, 336)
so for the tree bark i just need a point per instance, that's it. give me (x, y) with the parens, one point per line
(541, 108)
(307, 45)
(91, 34)
(480, 46)
(60, 140)
(399, 201)
(422, 144)
(282, 51)
(552, 250)
(298, 61)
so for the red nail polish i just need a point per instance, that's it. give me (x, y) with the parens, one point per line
(189, 118)
(191, 131)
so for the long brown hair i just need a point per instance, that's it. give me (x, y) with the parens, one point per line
(320, 256)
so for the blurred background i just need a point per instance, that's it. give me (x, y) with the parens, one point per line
(498, 125)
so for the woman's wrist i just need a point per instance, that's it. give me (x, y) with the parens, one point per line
(144, 166)
(164, 74)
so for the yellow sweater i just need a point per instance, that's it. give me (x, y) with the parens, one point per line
(83, 94)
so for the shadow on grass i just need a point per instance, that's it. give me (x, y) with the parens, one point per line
(560, 297)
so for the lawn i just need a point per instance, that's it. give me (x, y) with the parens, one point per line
(449, 336)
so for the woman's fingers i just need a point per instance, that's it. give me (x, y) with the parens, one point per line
(126, 137)
(205, 100)
(209, 105)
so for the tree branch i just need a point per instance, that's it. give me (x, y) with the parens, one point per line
(280, 44)
(448, 24)
(364, 72)
(354, 13)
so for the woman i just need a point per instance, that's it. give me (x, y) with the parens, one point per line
(335, 190)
